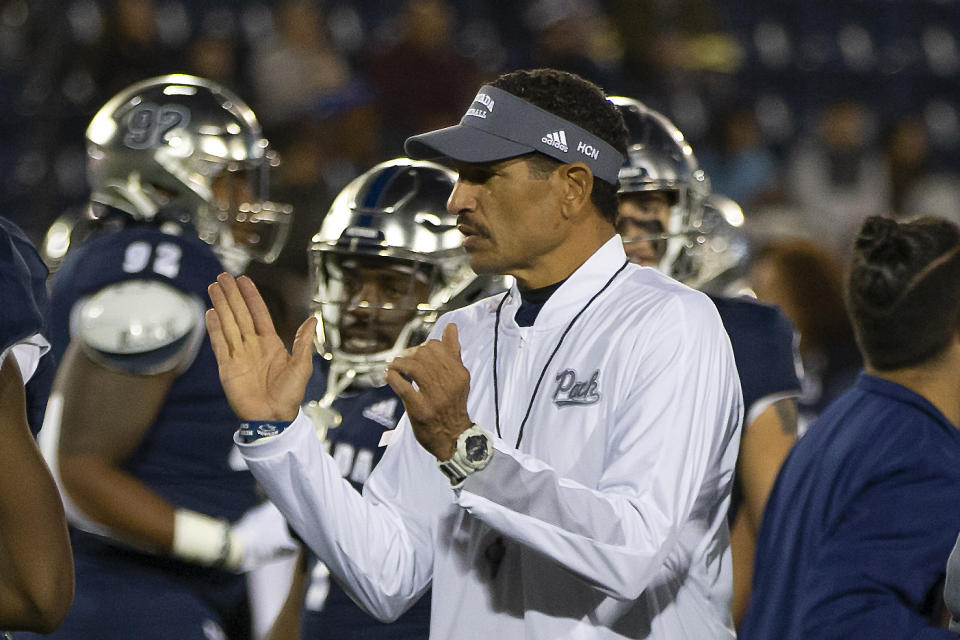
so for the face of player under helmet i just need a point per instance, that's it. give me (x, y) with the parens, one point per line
(668, 216)
(659, 161)
(186, 149)
(387, 261)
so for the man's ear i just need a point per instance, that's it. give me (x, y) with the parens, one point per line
(578, 187)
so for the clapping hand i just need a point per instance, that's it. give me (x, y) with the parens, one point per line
(437, 406)
(261, 379)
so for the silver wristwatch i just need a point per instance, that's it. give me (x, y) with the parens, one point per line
(473, 452)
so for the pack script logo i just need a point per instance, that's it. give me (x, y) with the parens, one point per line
(571, 391)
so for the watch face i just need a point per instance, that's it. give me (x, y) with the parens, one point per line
(476, 448)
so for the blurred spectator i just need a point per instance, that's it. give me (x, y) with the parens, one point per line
(133, 48)
(907, 155)
(217, 52)
(214, 57)
(919, 188)
(576, 36)
(805, 281)
(292, 71)
(935, 194)
(663, 40)
(837, 178)
(741, 167)
(422, 81)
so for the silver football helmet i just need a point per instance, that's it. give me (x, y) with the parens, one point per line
(387, 261)
(720, 252)
(701, 240)
(185, 149)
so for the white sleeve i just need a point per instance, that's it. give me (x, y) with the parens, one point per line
(380, 544)
(27, 354)
(668, 469)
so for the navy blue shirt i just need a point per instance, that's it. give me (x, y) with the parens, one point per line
(860, 522)
(328, 612)
(23, 296)
(764, 350)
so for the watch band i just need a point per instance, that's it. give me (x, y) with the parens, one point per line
(253, 430)
(473, 451)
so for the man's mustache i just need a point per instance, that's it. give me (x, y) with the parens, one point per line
(471, 228)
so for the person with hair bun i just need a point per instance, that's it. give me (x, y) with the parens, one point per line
(855, 538)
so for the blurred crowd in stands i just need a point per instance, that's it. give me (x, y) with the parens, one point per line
(811, 115)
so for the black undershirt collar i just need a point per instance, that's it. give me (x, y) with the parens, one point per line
(531, 301)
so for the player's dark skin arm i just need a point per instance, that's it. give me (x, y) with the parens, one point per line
(765, 444)
(36, 563)
(106, 414)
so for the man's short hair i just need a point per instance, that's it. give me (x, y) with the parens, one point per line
(583, 103)
(904, 290)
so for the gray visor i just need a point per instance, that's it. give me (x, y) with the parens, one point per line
(499, 125)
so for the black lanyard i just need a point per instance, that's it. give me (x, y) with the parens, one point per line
(496, 340)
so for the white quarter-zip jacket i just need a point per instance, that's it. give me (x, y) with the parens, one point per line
(607, 521)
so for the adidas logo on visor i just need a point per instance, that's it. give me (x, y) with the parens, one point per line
(557, 139)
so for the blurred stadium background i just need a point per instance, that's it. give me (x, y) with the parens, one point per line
(811, 114)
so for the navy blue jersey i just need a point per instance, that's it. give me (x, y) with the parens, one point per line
(122, 595)
(186, 455)
(328, 612)
(764, 349)
(860, 522)
(23, 295)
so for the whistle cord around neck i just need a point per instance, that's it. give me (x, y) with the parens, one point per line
(543, 372)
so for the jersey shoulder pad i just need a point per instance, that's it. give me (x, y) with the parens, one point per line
(140, 326)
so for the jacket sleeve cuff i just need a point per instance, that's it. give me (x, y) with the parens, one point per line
(265, 448)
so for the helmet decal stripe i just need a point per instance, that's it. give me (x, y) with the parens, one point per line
(378, 187)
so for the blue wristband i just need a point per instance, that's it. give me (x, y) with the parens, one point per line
(253, 430)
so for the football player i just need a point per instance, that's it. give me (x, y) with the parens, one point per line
(165, 517)
(36, 568)
(669, 220)
(386, 262)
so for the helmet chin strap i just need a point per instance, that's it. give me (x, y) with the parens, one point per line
(365, 370)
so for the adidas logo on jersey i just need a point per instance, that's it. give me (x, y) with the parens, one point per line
(382, 412)
(556, 139)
